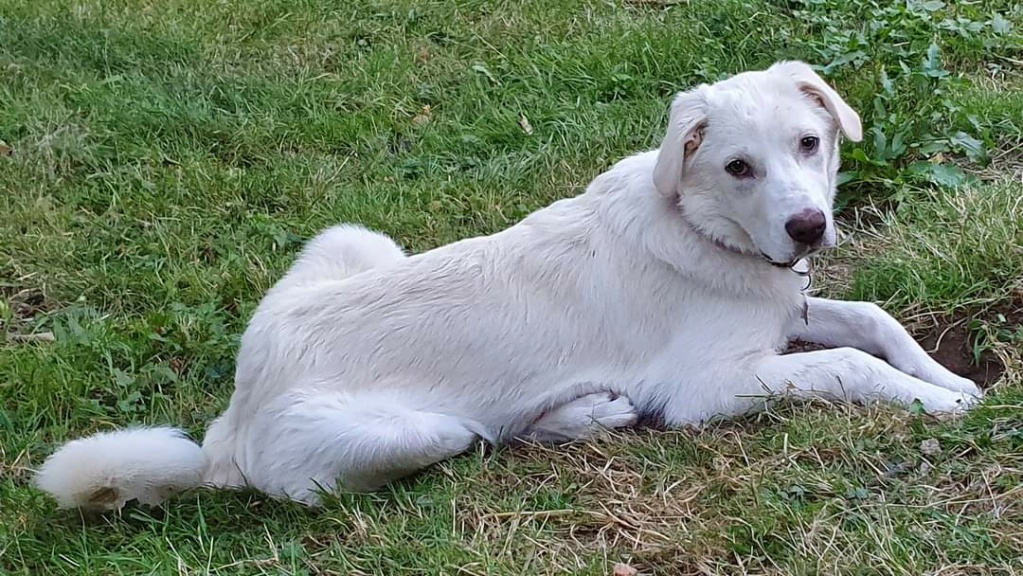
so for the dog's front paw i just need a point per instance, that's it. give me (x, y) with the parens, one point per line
(949, 402)
(960, 384)
(934, 373)
(950, 381)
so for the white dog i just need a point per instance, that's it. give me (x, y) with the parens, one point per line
(667, 287)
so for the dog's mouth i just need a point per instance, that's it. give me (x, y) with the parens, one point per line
(791, 263)
(777, 263)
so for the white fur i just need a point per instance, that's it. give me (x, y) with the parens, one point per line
(105, 470)
(652, 292)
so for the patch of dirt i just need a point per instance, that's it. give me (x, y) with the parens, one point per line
(19, 306)
(803, 346)
(953, 347)
(25, 303)
(951, 342)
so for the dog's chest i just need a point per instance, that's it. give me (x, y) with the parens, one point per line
(707, 325)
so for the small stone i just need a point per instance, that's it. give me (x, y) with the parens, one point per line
(524, 124)
(624, 570)
(930, 447)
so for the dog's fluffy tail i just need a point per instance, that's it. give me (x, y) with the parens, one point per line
(104, 471)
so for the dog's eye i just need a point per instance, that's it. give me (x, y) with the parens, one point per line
(809, 144)
(739, 169)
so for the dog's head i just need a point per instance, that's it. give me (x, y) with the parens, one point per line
(753, 160)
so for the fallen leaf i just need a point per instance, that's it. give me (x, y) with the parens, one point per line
(423, 54)
(423, 117)
(177, 364)
(5, 149)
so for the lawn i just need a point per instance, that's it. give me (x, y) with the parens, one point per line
(162, 162)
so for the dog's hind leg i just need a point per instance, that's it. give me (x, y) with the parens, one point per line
(339, 252)
(304, 443)
(582, 418)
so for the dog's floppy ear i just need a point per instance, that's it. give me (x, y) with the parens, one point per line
(815, 86)
(685, 132)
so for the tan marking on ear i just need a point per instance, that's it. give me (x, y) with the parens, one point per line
(694, 141)
(816, 98)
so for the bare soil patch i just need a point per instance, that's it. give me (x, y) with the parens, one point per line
(952, 342)
(25, 303)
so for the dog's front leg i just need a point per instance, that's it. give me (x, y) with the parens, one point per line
(854, 375)
(845, 374)
(869, 328)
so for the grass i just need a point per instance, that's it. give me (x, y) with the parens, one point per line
(162, 162)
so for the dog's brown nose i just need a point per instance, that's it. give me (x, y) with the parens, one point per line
(807, 227)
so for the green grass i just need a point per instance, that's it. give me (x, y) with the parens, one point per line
(167, 159)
